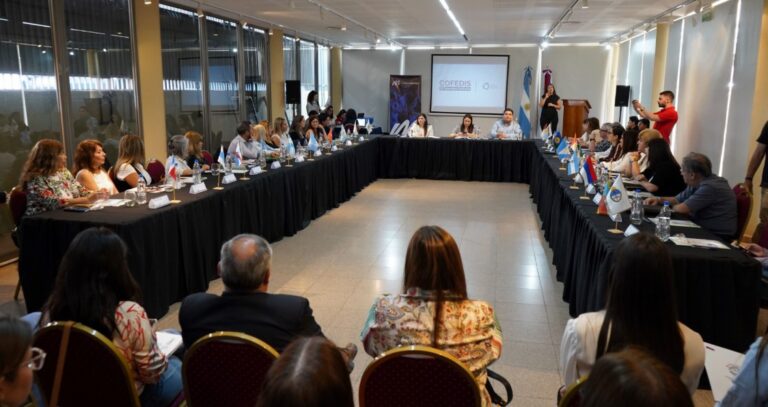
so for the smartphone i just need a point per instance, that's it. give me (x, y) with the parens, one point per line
(76, 208)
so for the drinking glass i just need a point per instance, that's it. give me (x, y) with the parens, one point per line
(130, 197)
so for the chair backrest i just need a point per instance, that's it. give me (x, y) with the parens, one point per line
(404, 127)
(207, 157)
(743, 209)
(18, 204)
(226, 369)
(91, 370)
(156, 170)
(418, 376)
(572, 397)
(394, 127)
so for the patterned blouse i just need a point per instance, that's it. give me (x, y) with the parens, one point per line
(46, 193)
(137, 342)
(469, 329)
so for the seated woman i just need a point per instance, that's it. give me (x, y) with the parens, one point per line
(94, 287)
(750, 387)
(314, 130)
(591, 128)
(261, 133)
(297, 131)
(279, 134)
(601, 146)
(614, 137)
(632, 378)
(48, 183)
(89, 167)
(467, 128)
(177, 150)
(640, 311)
(643, 139)
(421, 128)
(662, 177)
(18, 361)
(628, 146)
(130, 164)
(433, 309)
(310, 372)
(195, 150)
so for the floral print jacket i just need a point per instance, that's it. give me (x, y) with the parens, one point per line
(46, 193)
(469, 329)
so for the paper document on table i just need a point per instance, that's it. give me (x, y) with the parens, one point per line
(722, 367)
(168, 342)
(113, 202)
(678, 223)
(702, 243)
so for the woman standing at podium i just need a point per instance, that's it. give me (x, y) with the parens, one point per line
(550, 103)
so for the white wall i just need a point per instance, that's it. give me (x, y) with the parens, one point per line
(578, 72)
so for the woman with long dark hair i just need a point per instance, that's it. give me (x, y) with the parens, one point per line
(434, 310)
(662, 177)
(313, 105)
(550, 103)
(94, 287)
(421, 128)
(614, 137)
(623, 165)
(467, 128)
(640, 311)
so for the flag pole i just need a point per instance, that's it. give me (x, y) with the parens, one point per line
(615, 229)
(174, 200)
(585, 196)
(218, 186)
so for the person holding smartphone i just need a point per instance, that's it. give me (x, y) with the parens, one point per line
(550, 103)
(665, 119)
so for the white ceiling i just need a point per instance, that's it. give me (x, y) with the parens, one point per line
(425, 22)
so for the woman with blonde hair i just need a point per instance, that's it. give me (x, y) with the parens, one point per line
(280, 135)
(195, 150)
(434, 310)
(89, 167)
(130, 164)
(47, 181)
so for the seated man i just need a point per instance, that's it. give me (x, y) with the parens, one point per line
(708, 199)
(245, 305)
(248, 148)
(506, 127)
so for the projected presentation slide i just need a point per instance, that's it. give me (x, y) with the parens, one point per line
(469, 84)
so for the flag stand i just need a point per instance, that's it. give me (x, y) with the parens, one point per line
(615, 229)
(174, 200)
(574, 186)
(218, 186)
(585, 196)
(244, 177)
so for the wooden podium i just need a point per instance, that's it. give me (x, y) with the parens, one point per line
(575, 111)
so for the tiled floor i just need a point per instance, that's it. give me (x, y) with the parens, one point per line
(355, 252)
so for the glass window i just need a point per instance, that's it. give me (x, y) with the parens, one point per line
(101, 75)
(182, 80)
(28, 105)
(222, 80)
(307, 65)
(324, 74)
(256, 77)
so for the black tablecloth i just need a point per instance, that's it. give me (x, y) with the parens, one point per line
(717, 290)
(173, 251)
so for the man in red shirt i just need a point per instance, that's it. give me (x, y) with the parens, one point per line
(663, 120)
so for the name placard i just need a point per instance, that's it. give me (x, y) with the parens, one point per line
(631, 230)
(597, 198)
(197, 188)
(348, 143)
(228, 179)
(255, 170)
(300, 159)
(159, 202)
(275, 165)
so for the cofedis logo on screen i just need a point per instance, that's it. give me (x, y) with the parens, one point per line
(455, 85)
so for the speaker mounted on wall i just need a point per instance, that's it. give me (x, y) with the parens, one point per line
(292, 92)
(622, 96)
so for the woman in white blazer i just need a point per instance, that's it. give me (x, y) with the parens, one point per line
(421, 128)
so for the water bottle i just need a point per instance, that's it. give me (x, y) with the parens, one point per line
(263, 159)
(141, 191)
(228, 164)
(636, 216)
(196, 171)
(663, 220)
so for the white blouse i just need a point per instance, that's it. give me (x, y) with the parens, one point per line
(128, 169)
(181, 165)
(578, 349)
(417, 131)
(622, 165)
(102, 180)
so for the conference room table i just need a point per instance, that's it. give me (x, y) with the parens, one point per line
(173, 250)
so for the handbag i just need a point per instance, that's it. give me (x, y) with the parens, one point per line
(495, 398)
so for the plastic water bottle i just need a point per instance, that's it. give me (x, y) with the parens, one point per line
(263, 159)
(141, 191)
(196, 171)
(663, 221)
(228, 164)
(636, 216)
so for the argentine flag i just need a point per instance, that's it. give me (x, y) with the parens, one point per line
(524, 114)
(222, 158)
(312, 145)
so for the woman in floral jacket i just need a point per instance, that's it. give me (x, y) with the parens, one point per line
(434, 310)
(48, 183)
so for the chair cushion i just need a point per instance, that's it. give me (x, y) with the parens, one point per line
(156, 170)
(743, 207)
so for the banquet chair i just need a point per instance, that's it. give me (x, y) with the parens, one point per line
(17, 201)
(394, 127)
(156, 170)
(417, 376)
(572, 397)
(84, 368)
(207, 157)
(226, 369)
(743, 210)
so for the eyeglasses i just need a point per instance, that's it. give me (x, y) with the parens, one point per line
(37, 360)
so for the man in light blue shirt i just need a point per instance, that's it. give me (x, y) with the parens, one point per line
(506, 127)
